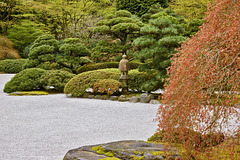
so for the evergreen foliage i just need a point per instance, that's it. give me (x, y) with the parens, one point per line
(139, 7)
(190, 9)
(7, 8)
(160, 37)
(72, 54)
(24, 33)
(121, 26)
(106, 51)
(44, 50)
(48, 53)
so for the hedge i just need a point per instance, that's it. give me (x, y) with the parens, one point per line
(96, 66)
(12, 65)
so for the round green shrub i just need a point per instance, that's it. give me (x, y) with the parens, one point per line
(95, 66)
(12, 65)
(26, 80)
(56, 79)
(77, 85)
(109, 86)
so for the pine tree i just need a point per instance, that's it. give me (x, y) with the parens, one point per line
(160, 37)
(121, 26)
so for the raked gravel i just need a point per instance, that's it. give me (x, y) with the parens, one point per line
(46, 127)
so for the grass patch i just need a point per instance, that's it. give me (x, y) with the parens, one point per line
(28, 93)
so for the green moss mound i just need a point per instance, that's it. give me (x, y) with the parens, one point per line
(26, 80)
(12, 65)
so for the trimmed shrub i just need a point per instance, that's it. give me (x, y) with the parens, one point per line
(77, 86)
(109, 86)
(55, 78)
(12, 65)
(26, 80)
(96, 66)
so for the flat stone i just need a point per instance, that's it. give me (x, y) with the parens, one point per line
(104, 97)
(113, 98)
(82, 155)
(91, 96)
(134, 99)
(85, 95)
(97, 96)
(124, 150)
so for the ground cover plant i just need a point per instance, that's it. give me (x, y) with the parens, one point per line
(203, 82)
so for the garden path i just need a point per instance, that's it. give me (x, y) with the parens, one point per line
(46, 127)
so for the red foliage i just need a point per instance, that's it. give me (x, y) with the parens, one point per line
(205, 67)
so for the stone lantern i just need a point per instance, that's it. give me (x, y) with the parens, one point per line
(124, 67)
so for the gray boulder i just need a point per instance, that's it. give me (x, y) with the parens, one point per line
(113, 98)
(134, 99)
(127, 150)
(122, 98)
(146, 98)
(153, 101)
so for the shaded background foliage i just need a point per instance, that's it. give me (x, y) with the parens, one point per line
(139, 7)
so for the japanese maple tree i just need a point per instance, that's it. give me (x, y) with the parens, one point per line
(204, 79)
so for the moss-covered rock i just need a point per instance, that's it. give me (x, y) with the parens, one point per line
(127, 150)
